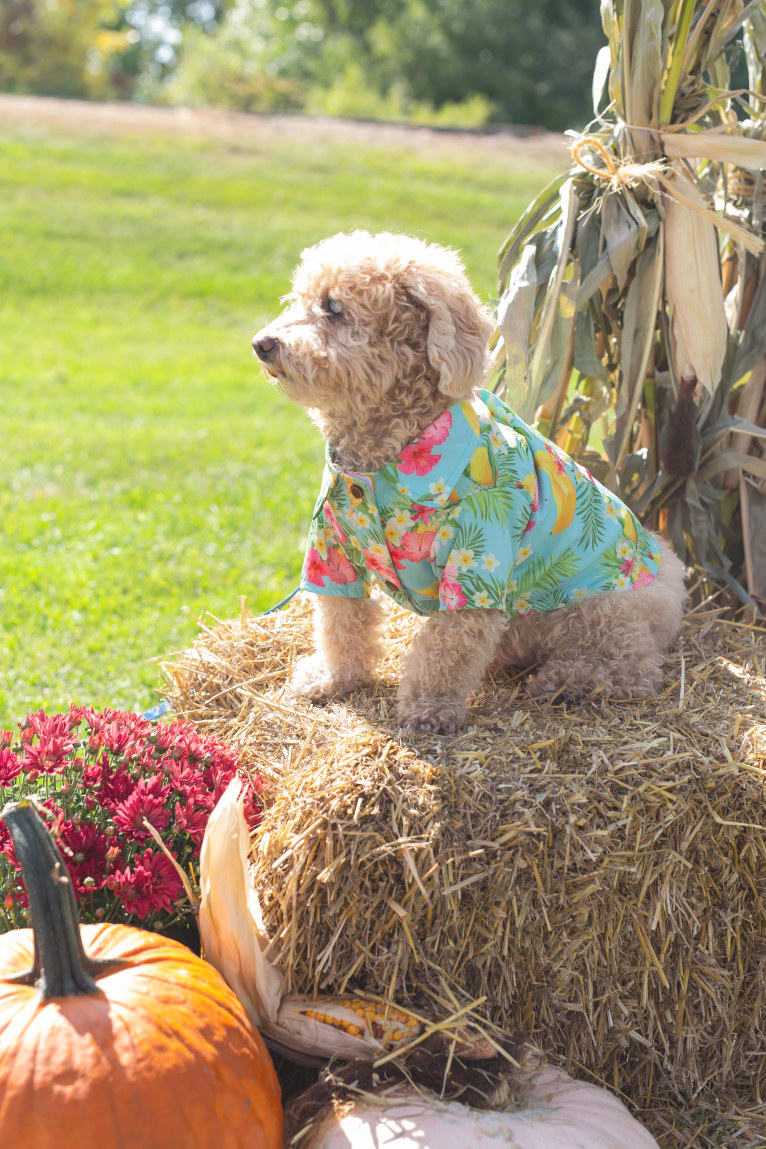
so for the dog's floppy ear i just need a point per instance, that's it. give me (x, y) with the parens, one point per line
(458, 327)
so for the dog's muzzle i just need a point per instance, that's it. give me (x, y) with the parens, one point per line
(266, 347)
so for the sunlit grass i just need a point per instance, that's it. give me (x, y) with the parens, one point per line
(146, 466)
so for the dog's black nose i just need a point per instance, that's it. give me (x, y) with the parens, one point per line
(264, 346)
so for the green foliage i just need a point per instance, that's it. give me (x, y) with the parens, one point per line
(60, 48)
(457, 63)
(590, 501)
(350, 94)
(461, 62)
(147, 465)
(548, 571)
(102, 49)
(223, 71)
(531, 61)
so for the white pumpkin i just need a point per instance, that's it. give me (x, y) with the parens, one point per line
(555, 1112)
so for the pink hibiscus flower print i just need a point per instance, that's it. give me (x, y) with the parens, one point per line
(421, 514)
(315, 568)
(335, 526)
(379, 564)
(560, 466)
(414, 548)
(643, 578)
(452, 594)
(417, 459)
(340, 569)
(438, 431)
(627, 566)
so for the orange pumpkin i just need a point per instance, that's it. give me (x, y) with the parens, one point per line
(138, 1044)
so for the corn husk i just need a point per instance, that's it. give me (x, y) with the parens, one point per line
(236, 942)
(676, 160)
(693, 288)
(230, 920)
(721, 147)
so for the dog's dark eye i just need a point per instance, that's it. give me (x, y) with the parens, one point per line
(332, 306)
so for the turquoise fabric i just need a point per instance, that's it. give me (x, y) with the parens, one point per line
(479, 511)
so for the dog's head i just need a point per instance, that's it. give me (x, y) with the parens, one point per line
(370, 312)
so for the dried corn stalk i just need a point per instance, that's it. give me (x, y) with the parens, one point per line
(632, 309)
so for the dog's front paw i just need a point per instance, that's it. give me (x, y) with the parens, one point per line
(432, 715)
(314, 680)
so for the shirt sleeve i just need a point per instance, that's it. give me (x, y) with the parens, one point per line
(326, 568)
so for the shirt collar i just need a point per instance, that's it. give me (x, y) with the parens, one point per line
(428, 468)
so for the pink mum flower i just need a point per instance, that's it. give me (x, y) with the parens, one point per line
(151, 883)
(191, 819)
(146, 801)
(48, 755)
(10, 767)
(84, 847)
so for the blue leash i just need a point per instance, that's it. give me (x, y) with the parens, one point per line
(282, 602)
(154, 713)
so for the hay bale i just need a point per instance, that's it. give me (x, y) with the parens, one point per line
(592, 877)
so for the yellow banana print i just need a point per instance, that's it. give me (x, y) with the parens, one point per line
(528, 483)
(481, 467)
(431, 591)
(629, 527)
(471, 416)
(563, 490)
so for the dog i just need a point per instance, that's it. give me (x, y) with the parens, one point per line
(438, 494)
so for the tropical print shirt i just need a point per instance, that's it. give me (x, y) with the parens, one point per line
(480, 511)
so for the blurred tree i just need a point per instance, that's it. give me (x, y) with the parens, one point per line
(50, 47)
(534, 61)
(509, 60)
(524, 63)
(96, 48)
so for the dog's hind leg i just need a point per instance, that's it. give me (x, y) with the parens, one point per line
(445, 664)
(612, 644)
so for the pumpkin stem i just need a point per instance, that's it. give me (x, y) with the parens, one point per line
(61, 967)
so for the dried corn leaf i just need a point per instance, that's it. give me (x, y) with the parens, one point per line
(230, 919)
(693, 286)
(722, 147)
(637, 337)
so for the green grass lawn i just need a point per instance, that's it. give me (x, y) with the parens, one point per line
(147, 467)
